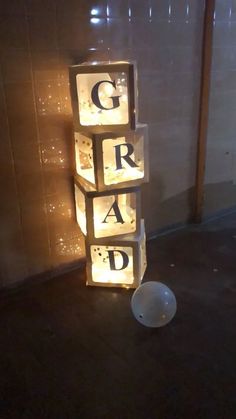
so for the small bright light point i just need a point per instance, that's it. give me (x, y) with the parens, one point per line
(94, 20)
(94, 12)
(150, 12)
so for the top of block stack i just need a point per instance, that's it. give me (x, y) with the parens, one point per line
(104, 96)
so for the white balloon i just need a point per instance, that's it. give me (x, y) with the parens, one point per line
(153, 304)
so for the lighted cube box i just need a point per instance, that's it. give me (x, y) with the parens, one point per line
(103, 96)
(117, 262)
(113, 160)
(112, 213)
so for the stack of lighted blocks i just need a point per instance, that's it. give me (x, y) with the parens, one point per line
(111, 164)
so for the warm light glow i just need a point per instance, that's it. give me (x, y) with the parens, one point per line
(106, 222)
(111, 164)
(111, 148)
(126, 173)
(90, 114)
(122, 175)
(84, 157)
(127, 207)
(80, 210)
(101, 271)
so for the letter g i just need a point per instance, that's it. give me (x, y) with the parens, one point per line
(95, 96)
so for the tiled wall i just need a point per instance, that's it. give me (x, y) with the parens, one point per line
(38, 40)
(220, 180)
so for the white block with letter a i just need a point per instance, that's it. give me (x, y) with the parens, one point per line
(107, 214)
(110, 160)
(117, 262)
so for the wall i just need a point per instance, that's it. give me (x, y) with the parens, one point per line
(38, 40)
(220, 178)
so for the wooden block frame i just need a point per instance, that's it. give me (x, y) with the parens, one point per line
(138, 138)
(136, 243)
(114, 67)
(87, 215)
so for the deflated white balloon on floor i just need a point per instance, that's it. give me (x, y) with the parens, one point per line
(153, 304)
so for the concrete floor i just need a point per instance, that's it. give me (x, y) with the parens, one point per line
(67, 351)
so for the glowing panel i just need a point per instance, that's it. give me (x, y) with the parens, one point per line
(84, 157)
(80, 209)
(114, 215)
(111, 264)
(109, 215)
(103, 98)
(130, 151)
(117, 262)
(105, 160)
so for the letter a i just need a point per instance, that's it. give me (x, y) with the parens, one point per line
(112, 260)
(116, 214)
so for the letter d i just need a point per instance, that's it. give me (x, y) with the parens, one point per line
(112, 260)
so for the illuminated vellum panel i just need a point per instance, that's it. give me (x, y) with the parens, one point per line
(103, 96)
(124, 158)
(84, 157)
(110, 160)
(112, 213)
(117, 259)
(117, 262)
(80, 210)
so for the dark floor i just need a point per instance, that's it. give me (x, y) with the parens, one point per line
(68, 351)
